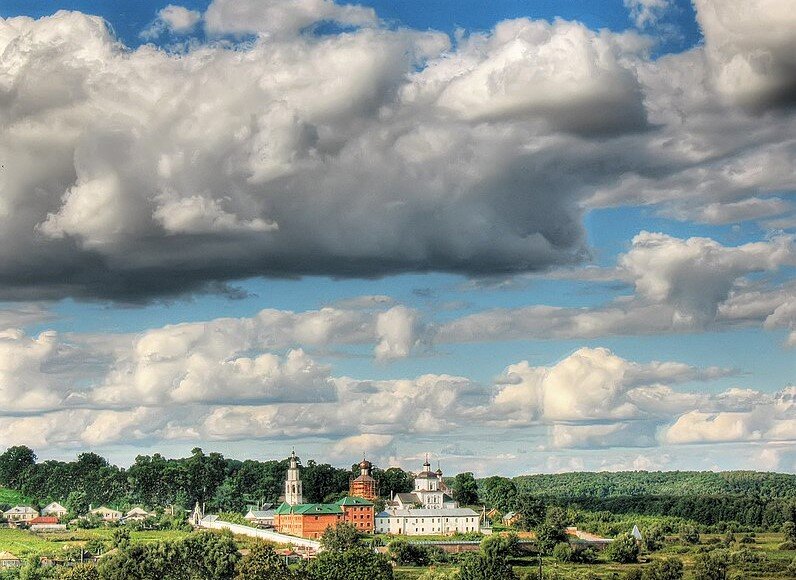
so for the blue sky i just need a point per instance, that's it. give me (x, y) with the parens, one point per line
(629, 236)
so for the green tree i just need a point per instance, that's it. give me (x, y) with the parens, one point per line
(355, 563)
(532, 511)
(689, 534)
(552, 531)
(465, 489)
(666, 569)
(32, 570)
(79, 572)
(653, 538)
(393, 480)
(478, 567)
(406, 554)
(263, 563)
(711, 566)
(562, 552)
(120, 538)
(499, 492)
(15, 463)
(623, 549)
(340, 537)
(789, 529)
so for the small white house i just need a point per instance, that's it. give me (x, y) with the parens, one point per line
(107, 514)
(137, 514)
(20, 514)
(54, 509)
(262, 518)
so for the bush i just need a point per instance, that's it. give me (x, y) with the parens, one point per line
(667, 569)
(689, 534)
(787, 546)
(623, 549)
(711, 566)
(562, 552)
(406, 554)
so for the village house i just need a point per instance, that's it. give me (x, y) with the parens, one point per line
(263, 517)
(20, 514)
(106, 514)
(9, 560)
(54, 509)
(137, 514)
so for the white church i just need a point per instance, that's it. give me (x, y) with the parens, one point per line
(428, 510)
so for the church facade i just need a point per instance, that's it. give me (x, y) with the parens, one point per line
(428, 510)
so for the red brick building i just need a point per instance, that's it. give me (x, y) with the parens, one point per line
(364, 486)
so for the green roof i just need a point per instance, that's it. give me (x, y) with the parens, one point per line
(309, 509)
(353, 501)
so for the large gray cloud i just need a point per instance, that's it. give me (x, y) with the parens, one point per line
(131, 174)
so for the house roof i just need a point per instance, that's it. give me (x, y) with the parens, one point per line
(137, 511)
(21, 509)
(54, 506)
(421, 513)
(44, 520)
(309, 509)
(407, 497)
(261, 514)
(8, 556)
(348, 500)
(105, 509)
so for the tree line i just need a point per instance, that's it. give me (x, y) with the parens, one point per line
(222, 483)
(750, 499)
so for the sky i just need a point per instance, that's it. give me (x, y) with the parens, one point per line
(520, 237)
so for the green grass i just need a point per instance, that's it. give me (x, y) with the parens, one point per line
(23, 543)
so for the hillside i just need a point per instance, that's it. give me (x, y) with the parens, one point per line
(660, 483)
(11, 497)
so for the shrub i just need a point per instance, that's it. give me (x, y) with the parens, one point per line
(689, 534)
(562, 552)
(623, 549)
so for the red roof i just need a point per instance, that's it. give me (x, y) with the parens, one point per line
(43, 520)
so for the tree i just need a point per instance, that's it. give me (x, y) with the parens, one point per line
(711, 566)
(477, 567)
(79, 572)
(623, 549)
(531, 509)
(789, 529)
(120, 538)
(340, 537)
(14, 464)
(406, 554)
(357, 562)
(499, 492)
(465, 489)
(552, 531)
(263, 563)
(653, 538)
(689, 534)
(666, 569)
(393, 480)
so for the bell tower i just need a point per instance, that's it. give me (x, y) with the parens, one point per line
(293, 492)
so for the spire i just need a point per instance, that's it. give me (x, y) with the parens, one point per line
(426, 465)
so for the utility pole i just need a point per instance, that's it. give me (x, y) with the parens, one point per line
(540, 566)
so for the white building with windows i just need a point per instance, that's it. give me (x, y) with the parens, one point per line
(428, 510)
(425, 522)
(54, 509)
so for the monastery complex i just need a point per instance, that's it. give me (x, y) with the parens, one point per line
(427, 510)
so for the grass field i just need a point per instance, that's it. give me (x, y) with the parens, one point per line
(23, 543)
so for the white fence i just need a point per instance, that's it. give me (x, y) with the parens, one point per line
(216, 524)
